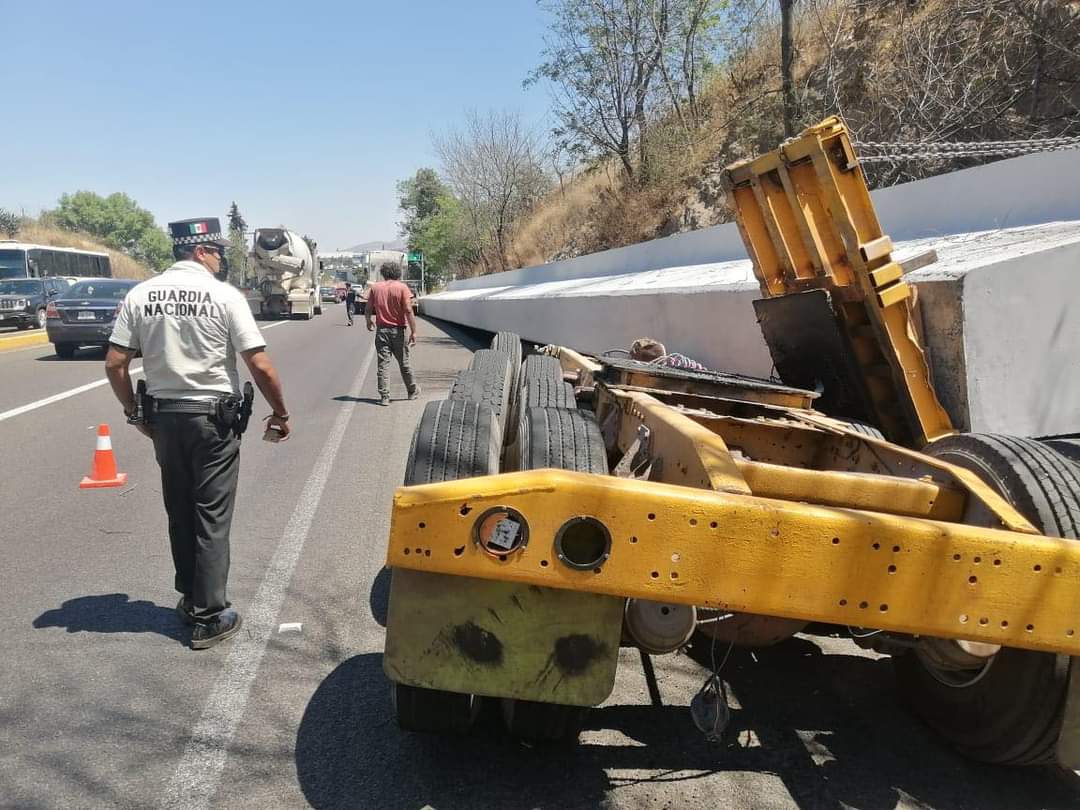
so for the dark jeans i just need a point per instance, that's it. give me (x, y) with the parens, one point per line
(390, 343)
(349, 305)
(200, 462)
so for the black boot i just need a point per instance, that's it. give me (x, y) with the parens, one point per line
(223, 626)
(186, 610)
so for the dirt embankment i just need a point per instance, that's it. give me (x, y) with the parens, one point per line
(123, 266)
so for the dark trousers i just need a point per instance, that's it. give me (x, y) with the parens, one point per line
(349, 306)
(390, 343)
(200, 462)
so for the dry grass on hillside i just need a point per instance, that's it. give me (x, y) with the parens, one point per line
(123, 266)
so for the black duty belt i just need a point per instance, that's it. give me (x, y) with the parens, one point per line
(204, 406)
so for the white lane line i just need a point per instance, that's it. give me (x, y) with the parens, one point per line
(197, 776)
(71, 392)
(271, 326)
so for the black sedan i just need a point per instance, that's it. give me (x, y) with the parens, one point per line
(84, 315)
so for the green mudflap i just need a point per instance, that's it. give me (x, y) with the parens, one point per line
(500, 639)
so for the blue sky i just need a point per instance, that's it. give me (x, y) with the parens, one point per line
(305, 113)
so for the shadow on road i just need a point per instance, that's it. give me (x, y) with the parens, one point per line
(113, 613)
(826, 726)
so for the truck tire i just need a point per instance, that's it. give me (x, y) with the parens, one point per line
(487, 381)
(545, 392)
(1070, 448)
(433, 711)
(1010, 710)
(566, 440)
(510, 344)
(543, 722)
(560, 438)
(541, 366)
(863, 428)
(453, 440)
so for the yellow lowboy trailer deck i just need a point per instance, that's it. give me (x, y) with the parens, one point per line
(734, 496)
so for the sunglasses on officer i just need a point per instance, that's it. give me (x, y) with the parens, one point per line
(217, 250)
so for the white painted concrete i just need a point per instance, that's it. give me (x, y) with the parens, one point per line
(998, 308)
(1010, 193)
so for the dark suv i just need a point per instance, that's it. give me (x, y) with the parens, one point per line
(23, 301)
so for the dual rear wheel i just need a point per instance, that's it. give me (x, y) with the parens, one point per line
(1005, 708)
(462, 437)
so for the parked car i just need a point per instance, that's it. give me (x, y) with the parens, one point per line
(328, 295)
(24, 301)
(84, 315)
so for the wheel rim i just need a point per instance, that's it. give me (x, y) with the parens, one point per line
(953, 677)
(41, 319)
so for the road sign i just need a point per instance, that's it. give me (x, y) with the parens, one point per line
(415, 256)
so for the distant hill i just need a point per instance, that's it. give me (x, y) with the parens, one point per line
(392, 244)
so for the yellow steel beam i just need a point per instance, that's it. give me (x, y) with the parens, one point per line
(875, 493)
(692, 455)
(757, 555)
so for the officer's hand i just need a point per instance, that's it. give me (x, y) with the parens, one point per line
(278, 424)
(412, 338)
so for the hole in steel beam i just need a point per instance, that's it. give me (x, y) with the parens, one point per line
(459, 551)
(583, 543)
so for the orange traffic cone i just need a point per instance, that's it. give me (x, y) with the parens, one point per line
(104, 472)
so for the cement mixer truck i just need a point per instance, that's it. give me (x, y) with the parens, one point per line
(286, 276)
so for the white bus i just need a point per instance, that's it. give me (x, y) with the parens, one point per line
(22, 260)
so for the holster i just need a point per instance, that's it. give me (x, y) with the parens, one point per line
(233, 412)
(144, 406)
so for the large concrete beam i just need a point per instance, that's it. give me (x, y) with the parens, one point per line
(998, 310)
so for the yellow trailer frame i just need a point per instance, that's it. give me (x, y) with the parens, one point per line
(758, 505)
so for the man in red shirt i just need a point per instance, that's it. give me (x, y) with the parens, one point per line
(388, 310)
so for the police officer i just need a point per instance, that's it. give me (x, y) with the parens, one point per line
(189, 326)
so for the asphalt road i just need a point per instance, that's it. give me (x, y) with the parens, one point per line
(102, 704)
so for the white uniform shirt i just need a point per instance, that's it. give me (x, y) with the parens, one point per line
(189, 327)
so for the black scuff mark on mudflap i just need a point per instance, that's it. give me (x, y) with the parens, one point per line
(575, 653)
(477, 644)
(572, 656)
(517, 603)
(494, 615)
